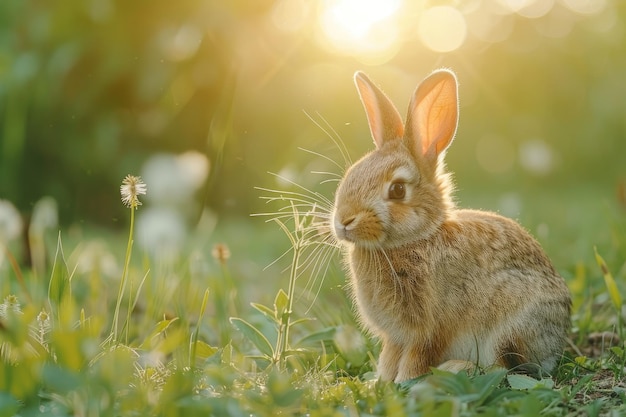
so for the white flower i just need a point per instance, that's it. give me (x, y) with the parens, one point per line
(130, 189)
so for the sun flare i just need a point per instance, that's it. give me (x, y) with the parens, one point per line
(361, 27)
(356, 18)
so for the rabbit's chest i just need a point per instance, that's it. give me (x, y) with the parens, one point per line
(392, 294)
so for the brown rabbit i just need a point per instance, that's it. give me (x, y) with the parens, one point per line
(438, 285)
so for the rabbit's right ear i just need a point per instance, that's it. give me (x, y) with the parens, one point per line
(433, 114)
(384, 120)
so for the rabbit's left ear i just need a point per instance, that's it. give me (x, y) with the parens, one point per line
(433, 114)
(383, 117)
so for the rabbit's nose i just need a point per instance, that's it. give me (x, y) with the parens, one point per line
(348, 220)
(342, 227)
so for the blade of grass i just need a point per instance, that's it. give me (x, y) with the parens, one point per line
(194, 335)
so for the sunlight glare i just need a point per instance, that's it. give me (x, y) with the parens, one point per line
(361, 27)
(356, 17)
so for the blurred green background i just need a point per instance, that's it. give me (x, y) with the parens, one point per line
(90, 89)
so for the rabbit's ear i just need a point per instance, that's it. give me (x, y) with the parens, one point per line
(384, 120)
(433, 114)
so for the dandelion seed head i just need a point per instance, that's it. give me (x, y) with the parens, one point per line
(43, 321)
(11, 300)
(43, 317)
(11, 303)
(132, 187)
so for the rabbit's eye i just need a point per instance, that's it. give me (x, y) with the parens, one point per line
(397, 191)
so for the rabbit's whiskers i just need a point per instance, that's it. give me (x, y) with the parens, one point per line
(310, 214)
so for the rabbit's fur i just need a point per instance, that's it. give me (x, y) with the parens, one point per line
(438, 285)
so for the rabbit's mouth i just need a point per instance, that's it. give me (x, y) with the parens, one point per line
(363, 229)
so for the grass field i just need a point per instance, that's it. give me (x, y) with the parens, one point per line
(222, 330)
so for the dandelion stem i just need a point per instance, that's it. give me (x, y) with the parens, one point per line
(122, 288)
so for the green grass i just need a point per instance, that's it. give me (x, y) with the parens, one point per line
(205, 336)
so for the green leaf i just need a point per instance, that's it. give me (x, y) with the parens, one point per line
(68, 348)
(450, 383)
(254, 335)
(177, 386)
(8, 405)
(319, 336)
(474, 390)
(204, 350)
(59, 285)
(158, 329)
(205, 300)
(60, 379)
(172, 341)
(617, 351)
(265, 310)
(281, 389)
(280, 303)
(522, 382)
(488, 382)
(611, 286)
(582, 384)
(302, 320)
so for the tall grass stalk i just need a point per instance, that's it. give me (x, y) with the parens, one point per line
(132, 302)
(194, 336)
(312, 243)
(285, 324)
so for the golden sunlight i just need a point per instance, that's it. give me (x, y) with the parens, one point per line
(365, 28)
(374, 31)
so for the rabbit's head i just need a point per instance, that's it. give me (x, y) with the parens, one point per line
(399, 193)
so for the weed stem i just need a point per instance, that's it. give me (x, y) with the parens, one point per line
(120, 293)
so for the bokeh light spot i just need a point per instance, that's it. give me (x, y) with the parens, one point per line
(530, 8)
(442, 28)
(490, 27)
(290, 15)
(585, 6)
(182, 44)
(536, 157)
